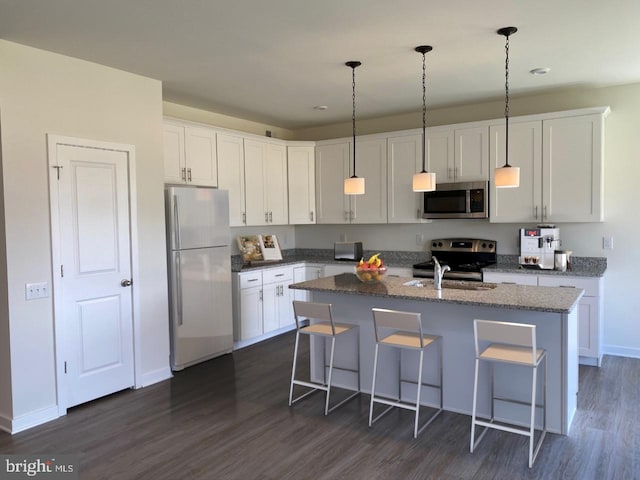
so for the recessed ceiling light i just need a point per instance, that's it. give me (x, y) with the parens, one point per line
(540, 71)
(320, 107)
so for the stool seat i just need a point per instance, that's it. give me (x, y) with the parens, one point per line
(509, 353)
(324, 328)
(408, 340)
(403, 330)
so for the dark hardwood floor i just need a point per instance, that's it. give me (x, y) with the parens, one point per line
(228, 419)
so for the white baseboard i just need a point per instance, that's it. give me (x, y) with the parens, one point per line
(621, 351)
(245, 343)
(29, 420)
(155, 376)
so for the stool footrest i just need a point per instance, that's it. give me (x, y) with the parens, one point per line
(504, 428)
(519, 402)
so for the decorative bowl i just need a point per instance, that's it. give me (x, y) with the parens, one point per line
(368, 274)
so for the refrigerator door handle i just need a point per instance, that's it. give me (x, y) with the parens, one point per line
(179, 288)
(176, 221)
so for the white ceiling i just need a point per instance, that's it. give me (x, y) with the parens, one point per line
(272, 61)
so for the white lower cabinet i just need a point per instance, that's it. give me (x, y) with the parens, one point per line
(262, 303)
(303, 273)
(590, 306)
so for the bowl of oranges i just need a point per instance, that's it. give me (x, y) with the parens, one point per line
(372, 270)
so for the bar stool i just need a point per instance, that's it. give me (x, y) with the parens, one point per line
(402, 330)
(511, 343)
(325, 328)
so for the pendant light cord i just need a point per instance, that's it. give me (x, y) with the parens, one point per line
(353, 116)
(424, 111)
(506, 101)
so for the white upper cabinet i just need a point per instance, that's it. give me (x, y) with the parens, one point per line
(230, 150)
(458, 154)
(333, 166)
(404, 154)
(561, 170)
(265, 167)
(190, 155)
(572, 152)
(301, 177)
(511, 205)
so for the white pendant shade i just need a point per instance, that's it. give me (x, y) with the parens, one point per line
(424, 182)
(507, 177)
(354, 186)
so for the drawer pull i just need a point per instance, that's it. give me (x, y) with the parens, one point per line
(279, 274)
(566, 286)
(509, 283)
(253, 280)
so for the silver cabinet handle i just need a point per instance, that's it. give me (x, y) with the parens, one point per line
(508, 283)
(266, 217)
(418, 214)
(566, 286)
(455, 172)
(271, 217)
(279, 274)
(281, 290)
(126, 282)
(544, 213)
(260, 295)
(449, 172)
(189, 171)
(346, 215)
(184, 174)
(252, 280)
(352, 214)
(179, 292)
(244, 217)
(535, 212)
(311, 216)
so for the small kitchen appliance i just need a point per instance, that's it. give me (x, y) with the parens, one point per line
(465, 256)
(538, 246)
(349, 251)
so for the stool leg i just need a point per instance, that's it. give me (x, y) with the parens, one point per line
(534, 378)
(493, 394)
(293, 369)
(373, 383)
(473, 411)
(333, 347)
(419, 386)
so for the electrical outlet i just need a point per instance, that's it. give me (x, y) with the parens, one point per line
(607, 243)
(343, 237)
(36, 290)
(419, 239)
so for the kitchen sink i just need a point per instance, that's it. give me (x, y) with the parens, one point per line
(461, 285)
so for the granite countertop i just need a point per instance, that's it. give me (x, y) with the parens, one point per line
(580, 267)
(518, 297)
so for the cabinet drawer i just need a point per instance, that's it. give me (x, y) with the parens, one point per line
(252, 279)
(591, 286)
(277, 275)
(517, 278)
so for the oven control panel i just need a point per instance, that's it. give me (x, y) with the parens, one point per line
(463, 245)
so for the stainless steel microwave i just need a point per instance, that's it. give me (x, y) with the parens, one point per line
(457, 200)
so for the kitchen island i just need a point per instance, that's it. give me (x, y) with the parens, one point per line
(450, 313)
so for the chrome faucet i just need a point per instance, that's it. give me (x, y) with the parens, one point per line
(438, 273)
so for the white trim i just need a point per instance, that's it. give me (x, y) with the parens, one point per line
(619, 351)
(251, 341)
(28, 420)
(155, 376)
(60, 343)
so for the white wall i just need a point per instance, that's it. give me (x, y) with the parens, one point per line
(622, 169)
(41, 93)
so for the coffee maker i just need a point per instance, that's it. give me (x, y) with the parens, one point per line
(538, 245)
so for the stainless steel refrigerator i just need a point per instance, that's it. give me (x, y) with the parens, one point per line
(199, 274)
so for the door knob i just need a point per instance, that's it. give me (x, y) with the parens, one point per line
(126, 282)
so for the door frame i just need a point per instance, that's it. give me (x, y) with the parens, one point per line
(61, 348)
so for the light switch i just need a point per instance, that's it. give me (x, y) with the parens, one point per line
(607, 243)
(36, 290)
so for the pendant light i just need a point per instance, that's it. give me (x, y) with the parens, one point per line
(424, 181)
(354, 185)
(507, 176)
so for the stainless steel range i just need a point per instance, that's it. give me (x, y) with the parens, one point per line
(465, 256)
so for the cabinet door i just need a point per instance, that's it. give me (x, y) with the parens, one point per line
(588, 320)
(404, 157)
(275, 184)
(250, 312)
(270, 319)
(440, 154)
(300, 275)
(471, 154)
(332, 163)
(201, 157)
(302, 185)
(254, 160)
(336, 269)
(173, 139)
(231, 175)
(285, 305)
(371, 163)
(522, 204)
(572, 189)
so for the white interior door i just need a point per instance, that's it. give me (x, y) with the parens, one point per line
(95, 302)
